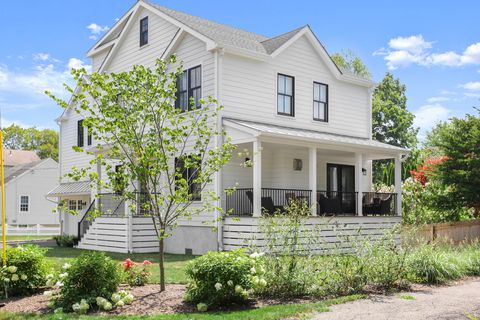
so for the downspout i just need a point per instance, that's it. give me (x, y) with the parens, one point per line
(218, 55)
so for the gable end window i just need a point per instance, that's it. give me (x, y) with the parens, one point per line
(285, 95)
(24, 203)
(80, 133)
(189, 86)
(189, 175)
(320, 102)
(143, 31)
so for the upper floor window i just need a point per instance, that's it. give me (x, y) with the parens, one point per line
(189, 86)
(320, 102)
(24, 203)
(189, 174)
(285, 95)
(143, 31)
(81, 134)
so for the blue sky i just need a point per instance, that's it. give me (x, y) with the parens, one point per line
(432, 46)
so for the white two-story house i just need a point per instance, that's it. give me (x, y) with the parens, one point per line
(304, 123)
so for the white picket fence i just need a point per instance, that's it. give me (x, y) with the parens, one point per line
(32, 229)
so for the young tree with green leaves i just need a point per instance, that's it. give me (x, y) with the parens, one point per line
(459, 141)
(168, 156)
(349, 61)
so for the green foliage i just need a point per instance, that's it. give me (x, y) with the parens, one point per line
(30, 262)
(91, 275)
(351, 62)
(459, 140)
(136, 274)
(66, 241)
(222, 278)
(167, 154)
(43, 141)
(287, 241)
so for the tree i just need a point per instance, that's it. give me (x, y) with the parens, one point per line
(392, 123)
(459, 142)
(43, 142)
(168, 157)
(351, 62)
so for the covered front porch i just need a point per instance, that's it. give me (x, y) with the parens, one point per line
(331, 173)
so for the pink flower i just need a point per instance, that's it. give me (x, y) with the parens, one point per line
(146, 263)
(128, 263)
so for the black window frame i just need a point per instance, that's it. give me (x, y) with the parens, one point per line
(292, 97)
(187, 173)
(24, 207)
(143, 32)
(189, 90)
(320, 101)
(80, 134)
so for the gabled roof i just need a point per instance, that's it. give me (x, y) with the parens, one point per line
(70, 188)
(17, 157)
(274, 43)
(14, 172)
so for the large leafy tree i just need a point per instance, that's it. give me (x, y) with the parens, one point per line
(43, 141)
(351, 62)
(168, 157)
(459, 142)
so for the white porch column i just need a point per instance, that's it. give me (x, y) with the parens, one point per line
(312, 177)
(398, 183)
(359, 182)
(257, 178)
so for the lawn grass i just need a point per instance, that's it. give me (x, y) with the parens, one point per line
(174, 265)
(28, 238)
(264, 313)
(407, 297)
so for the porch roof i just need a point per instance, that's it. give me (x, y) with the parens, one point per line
(272, 130)
(70, 188)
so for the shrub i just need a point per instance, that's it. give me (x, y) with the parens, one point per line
(429, 264)
(221, 278)
(66, 241)
(30, 269)
(136, 274)
(91, 275)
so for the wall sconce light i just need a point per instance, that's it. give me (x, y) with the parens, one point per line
(364, 171)
(297, 164)
(247, 159)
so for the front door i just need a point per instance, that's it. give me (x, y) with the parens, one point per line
(341, 185)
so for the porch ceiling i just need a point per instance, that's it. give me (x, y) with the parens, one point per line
(258, 129)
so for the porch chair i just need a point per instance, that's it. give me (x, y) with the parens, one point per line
(266, 202)
(329, 206)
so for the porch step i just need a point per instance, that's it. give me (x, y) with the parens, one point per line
(106, 234)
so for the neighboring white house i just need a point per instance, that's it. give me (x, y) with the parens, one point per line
(304, 122)
(27, 182)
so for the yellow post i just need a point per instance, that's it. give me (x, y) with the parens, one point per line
(4, 229)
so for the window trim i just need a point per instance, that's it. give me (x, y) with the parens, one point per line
(189, 90)
(20, 203)
(143, 33)
(326, 102)
(292, 111)
(188, 172)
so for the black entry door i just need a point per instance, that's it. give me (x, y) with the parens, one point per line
(341, 185)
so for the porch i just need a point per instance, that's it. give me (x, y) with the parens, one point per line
(331, 173)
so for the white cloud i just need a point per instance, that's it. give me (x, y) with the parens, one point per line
(96, 30)
(474, 86)
(41, 56)
(437, 99)
(471, 95)
(428, 115)
(404, 51)
(74, 63)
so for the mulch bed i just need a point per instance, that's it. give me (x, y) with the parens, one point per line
(148, 300)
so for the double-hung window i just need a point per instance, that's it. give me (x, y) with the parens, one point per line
(189, 87)
(143, 31)
(81, 134)
(320, 102)
(189, 174)
(285, 95)
(24, 204)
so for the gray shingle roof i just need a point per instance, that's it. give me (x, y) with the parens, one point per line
(226, 35)
(66, 188)
(13, 172)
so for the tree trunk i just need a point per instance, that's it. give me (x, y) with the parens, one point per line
(161, 263)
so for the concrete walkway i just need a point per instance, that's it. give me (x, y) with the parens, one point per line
(455, 301)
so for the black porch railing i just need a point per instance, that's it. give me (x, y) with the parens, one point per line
(111, 204)
(336, 203)
(240, 201)
(86, 221)
(379, 204)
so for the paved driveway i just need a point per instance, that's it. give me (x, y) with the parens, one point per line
(455, 301)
